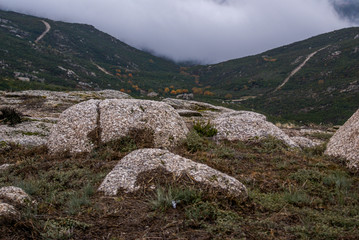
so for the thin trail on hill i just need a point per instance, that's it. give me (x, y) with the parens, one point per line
(48, 27)
(297, 69)
(102, 69)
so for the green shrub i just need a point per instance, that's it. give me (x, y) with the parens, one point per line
(200, 212)
(321, 135)
(194, 142)
(79, 199)
(269, 144)
(297, 198)
(205, 129)
(338, 179)
(62, 228)
(10, 116)
(171, 197)
(316, 150)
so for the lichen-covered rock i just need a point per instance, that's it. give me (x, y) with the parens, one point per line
(5, 166)
(71, 133)
(86, 124)
(110, 94)
(42, 110)
(345, 142)
(118, 117)
(194, 105)
(244, 125)
(28, 133)
(188, 113)
(8, 213)
(304, 142)
(125, 174)
(14, 195)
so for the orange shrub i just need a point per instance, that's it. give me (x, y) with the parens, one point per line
(197, 90)
(208, 93)
(228, 96)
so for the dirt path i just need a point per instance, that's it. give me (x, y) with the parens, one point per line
(101, 69)
(297, 69)
(48, 27)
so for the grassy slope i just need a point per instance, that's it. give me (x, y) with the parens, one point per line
(76, 47)
(292, 195)
(325, 90)
(314, 94)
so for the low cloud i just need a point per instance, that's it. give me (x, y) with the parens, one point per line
(208, 31)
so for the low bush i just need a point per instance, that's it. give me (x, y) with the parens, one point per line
(10, 116)
(205, 129)
(171, 197)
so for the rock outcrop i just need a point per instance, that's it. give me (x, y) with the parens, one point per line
(244, 125)
(40, 103)
(12, 198)
(83, 126)
(118, 117)
(125, 174)
(304, 142)
(41, 110)
(71, 133)
(8, 213)
(14, 195)
(345, 142)
(194, 105)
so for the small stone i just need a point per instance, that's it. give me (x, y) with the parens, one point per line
(6, 166)
(15, 195)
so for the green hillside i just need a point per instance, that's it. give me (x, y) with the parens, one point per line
(70, 57)
(325, 89)
(77, 56)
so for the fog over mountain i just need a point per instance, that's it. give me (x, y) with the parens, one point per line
(347, 9)
(207, 31)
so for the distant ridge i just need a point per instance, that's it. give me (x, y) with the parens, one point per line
(315, 80)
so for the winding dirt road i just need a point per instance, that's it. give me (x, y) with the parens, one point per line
(48, 27)
(297, 69)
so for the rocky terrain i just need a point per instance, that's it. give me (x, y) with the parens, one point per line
(79, 162)
(42, 110)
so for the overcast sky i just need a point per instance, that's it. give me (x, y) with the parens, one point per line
(209, 31)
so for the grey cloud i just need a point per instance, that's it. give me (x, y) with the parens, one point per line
(204, 30)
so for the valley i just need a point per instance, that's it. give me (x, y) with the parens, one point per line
(315, 80)
(100, 140)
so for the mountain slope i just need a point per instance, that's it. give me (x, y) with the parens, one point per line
(75, 56)
(315, 80)
(324, 89)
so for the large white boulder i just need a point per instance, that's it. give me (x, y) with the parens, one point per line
(71, 133)
(244, 125)
(345, 142)
(125, 174)
(86, 124)
(118, 117)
